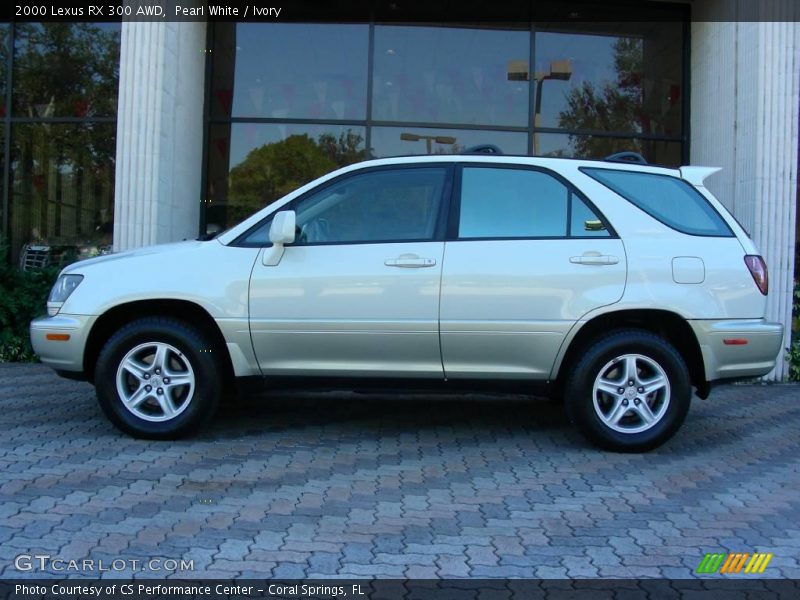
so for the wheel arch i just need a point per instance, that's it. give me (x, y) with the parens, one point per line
(181, 310)
(667, 324)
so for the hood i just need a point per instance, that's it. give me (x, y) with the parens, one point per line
(159, 250)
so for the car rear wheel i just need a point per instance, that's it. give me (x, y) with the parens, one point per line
(158, 378)
(629, 392)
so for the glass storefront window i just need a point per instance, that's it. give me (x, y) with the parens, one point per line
(66, 70)
(594, 146)
(571, 89)
(450, 75)
(291, 71)
(62, 188)
(401, 141)
(3, 211)
(58, 201)
(616, 77)
(5, 49)
(254, 164)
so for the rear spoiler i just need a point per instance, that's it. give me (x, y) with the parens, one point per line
(697, 175)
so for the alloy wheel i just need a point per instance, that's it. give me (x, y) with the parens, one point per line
(631, 393)
(155, 381)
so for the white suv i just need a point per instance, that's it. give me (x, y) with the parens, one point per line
(617, 287)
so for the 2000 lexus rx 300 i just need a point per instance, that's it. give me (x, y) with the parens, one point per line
(620, 286)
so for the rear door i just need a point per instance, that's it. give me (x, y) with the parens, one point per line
(526, 257)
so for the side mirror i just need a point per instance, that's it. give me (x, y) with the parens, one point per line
(282, 231)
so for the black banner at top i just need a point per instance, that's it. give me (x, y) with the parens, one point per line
(393, 11)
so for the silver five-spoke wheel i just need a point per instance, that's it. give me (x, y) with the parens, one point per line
(155, 381)
(631, 393)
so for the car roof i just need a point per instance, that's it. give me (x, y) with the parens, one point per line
(518, 159)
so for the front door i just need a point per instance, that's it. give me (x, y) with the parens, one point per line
(358, 292)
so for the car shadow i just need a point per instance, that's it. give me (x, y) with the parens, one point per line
(397, 412)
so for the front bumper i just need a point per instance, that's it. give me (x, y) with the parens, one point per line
(738, 348)
(68, 333)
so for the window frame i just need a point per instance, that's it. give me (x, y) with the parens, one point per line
(635, 204)
(455, 210)
(439, 230)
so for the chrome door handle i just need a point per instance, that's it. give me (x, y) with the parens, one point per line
(410, 263)
(594, 259)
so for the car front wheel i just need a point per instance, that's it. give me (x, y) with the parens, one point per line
(629, 392)
(158, 378)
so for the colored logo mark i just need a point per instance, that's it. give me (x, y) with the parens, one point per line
(734, 563)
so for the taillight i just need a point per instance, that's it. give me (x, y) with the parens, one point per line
(758, 269)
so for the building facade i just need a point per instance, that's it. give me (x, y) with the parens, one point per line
(144, 133)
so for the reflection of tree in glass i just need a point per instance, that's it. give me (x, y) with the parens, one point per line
(64, 172)
(273, 170)
(65, 175)
(65, 69)
(344, 150)
(614, 106)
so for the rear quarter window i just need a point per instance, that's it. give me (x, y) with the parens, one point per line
(670, 200)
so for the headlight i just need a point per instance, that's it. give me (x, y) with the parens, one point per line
(64, 286)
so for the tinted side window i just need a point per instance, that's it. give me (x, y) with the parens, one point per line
(377, 206)
(584, 222)
(672, 201)
(391, 205)
(510, 203)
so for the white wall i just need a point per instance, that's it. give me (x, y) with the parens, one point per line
(745, 93)
(159, 133)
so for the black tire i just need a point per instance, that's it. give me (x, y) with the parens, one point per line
(195, 353)
(579, 397)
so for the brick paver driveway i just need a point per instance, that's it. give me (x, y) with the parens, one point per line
(366, 485)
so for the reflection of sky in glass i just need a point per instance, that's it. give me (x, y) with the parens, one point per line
(499, 203)
(386, 140)
(656, 152)
(552, 144)
(449, 75)
(591, 58)
(310, 71)
(248, 136)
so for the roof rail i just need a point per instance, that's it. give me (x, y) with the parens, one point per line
(483, 149)
(626, 157)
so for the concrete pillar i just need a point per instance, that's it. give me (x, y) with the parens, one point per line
(745, 87)
(159, 133)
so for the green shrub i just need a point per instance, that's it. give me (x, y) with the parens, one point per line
(22, 297)
(793, 352)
